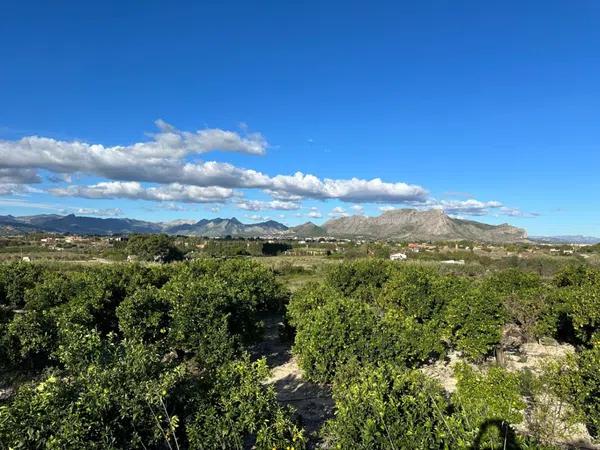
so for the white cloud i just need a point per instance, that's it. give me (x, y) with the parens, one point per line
(160, 169)
(353, 190)
(258, 218)
(385, 208)
(10, 202)
(515, 212)
(314, 215)
(258, 205)
(172, 206)
(109, 212)
(18, 176)
(16, 189)
(358, 209)
(470, 207)
(134, 190)
(162, 160)
(338, 211)
(168, 144)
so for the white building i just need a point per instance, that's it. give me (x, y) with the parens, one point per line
(398, 256)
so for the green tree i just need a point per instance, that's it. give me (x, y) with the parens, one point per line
(388, 408)
(483, 398)
(154, 247)
(474, 321)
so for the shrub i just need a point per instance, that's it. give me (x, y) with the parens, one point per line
(144, 315)
(331, 335)
(15, 279)
(386, 407)
(486, 399)
(474, 320)
(361, 279)
(589, 373)
(554, 399)
(237, 410)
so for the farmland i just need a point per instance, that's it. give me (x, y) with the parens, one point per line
(294, 351)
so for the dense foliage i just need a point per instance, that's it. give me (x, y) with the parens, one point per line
(156, 356)
(154, 247)
(378, 315)
(140, 357)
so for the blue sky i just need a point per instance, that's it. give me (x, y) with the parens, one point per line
(489, 110)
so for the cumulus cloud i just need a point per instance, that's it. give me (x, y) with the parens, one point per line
(131, 163)
(134, 190)
(16, 181)
(162, 160)
(338, 211)
(314, 213)
(258, 205)
(16, 189)
(163, 169)
(169, 144)
(258, 218)
(353, 190)
(109, 212)
(515, 212)
(18, 176)
(470, 207)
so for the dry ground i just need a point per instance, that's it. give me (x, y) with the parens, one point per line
(312, 402)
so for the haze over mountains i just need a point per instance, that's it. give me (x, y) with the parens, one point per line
(401, 224)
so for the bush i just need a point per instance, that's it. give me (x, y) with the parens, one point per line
(333, 334)
(474, 321)
(589, 373)
(237, 410)
(144, 315)
(134, 357)
(361, 279)
(482, 400)
(386, 407)
(555, 396)
(15, 279)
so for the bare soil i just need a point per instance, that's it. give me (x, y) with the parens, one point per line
(312, 402)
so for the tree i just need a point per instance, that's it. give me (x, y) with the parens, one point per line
(144, 315)
(474, 320)
(331, 335)
(388, 408)
(484, 398)
(361, 279)
(154, 247)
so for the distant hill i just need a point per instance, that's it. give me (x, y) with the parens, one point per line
(431, 225)
(569, 239)
(73, 224)
(402, 224)
(308, 229)
(227, 227)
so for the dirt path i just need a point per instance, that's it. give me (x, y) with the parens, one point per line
(312, 402)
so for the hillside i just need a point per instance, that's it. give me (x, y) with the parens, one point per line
(97, 226)
(308, 229)
(402, 224)
(411, 224)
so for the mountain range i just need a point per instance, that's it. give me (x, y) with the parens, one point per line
(568, 239)
(400, 224)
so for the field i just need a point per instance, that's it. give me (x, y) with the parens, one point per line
(498, 350)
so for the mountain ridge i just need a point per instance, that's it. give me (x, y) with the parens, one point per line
(400, 224)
